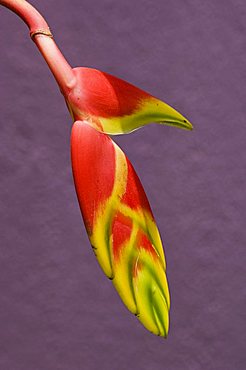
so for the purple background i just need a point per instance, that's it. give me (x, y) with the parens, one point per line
(57, 309)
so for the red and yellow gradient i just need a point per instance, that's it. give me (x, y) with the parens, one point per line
(116, 212)
(120, 225)
(114, 106)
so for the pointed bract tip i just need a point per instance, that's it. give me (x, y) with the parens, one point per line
(183, 124)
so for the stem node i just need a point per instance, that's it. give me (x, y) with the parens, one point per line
(58, 65)
(41, 32)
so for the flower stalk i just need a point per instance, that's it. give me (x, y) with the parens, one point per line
(43, 38)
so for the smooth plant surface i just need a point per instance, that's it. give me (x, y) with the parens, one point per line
(116, 212)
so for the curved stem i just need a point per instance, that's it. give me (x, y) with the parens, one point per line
(41, 35)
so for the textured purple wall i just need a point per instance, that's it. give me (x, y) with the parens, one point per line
(57, 310)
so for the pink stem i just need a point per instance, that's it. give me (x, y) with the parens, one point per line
(41, 35)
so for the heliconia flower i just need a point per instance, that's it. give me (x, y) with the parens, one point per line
(115, 106)
(120, 225)
(115, 209)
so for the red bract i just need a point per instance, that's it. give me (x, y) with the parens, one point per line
(120, 225)
(115, 106)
